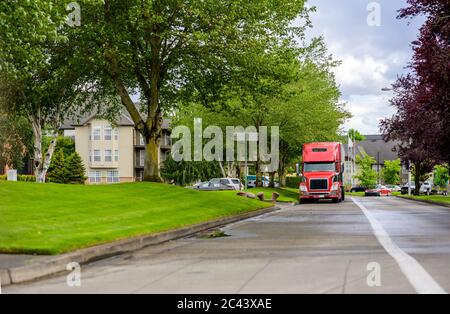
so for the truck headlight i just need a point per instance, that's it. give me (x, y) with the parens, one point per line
(335, 187)
(303, 188)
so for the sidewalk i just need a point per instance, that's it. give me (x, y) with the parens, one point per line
(22, 268)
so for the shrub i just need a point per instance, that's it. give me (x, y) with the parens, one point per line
(58, 172)
(75, 169)
(293, 182)
(20, 177)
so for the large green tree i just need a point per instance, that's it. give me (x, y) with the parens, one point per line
(37, 77)
(162, 51)
(305, 108)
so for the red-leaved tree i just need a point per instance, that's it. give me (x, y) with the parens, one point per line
(422, 98)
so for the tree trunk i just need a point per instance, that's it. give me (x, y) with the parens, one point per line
(222, 170)
(37, 138)
(418, 175)
(48, 159)
(282, 175)
(258, 181)
(41, 163)
(272, 180)
(151, 165)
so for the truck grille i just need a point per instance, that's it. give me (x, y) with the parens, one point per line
(318, 184)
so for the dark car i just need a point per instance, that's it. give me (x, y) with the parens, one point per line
(357, 189)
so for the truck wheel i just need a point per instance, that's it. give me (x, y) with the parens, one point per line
(335, 200)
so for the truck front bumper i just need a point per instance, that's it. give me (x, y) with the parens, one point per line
(319, 195)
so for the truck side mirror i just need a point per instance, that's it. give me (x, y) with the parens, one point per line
(297, 169)
(338, 167)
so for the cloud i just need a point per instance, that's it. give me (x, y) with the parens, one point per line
(367, 112)
(362, 73)
(372, 57)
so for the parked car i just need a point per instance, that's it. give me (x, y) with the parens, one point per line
(379, 190)
(210, 186)
(357, 189)
(425, 188)
(265, 181)
(233, 182)
(394, 188)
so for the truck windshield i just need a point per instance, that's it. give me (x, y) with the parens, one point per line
(314, 167)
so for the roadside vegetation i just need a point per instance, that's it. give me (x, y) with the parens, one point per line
(55, 218)
(287, 195)
(440, 199)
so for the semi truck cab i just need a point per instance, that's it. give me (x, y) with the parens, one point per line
(322, 171)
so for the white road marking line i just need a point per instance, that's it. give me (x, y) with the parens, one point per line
(419, 278)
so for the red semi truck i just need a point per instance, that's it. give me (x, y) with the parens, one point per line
(322, 172)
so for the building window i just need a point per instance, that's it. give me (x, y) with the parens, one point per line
(96, 133)
(107, 133)
(116, 155)
(141, 158)
(95, 177)
(70, 134)
(108, 155)
(97, 156)
(113, 176)
(116, 134)
(141, 139)
(166, 140)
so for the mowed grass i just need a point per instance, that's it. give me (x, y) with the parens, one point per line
(52, 219)
(433, 198)
(287, 195)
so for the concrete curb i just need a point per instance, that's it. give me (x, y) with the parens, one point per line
(58, 264)
(424, 201)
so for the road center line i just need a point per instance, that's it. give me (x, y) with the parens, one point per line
(419, 278)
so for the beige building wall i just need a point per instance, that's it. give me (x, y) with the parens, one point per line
(106, 161)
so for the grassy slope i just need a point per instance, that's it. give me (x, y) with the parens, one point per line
(51, 219)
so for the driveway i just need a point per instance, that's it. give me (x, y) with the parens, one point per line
(369, 245)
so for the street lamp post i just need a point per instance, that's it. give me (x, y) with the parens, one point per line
(409, 178)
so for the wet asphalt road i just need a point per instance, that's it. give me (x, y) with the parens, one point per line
(402, 247)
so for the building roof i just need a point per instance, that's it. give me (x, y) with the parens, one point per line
(124, 120)
(376, 147)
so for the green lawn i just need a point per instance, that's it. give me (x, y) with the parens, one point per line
(287, 195)
(434, 198)
(354, 193)
(52, 219)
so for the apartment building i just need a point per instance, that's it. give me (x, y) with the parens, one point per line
(112, 152)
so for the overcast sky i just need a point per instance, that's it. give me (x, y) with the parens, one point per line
(372, 56)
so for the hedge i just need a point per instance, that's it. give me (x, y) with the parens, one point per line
(20, 177)
(293, 182)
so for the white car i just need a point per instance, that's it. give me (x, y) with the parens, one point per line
(425, 188)
(394, 188)
(232, 182)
